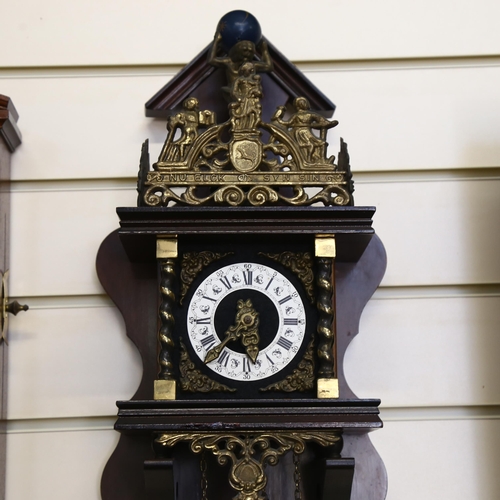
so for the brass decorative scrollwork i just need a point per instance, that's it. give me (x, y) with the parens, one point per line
(246, 161)
(192, 380)
(301, 379)
(192, 264)
(248, 453)
(301, 264)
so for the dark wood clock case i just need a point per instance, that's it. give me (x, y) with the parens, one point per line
(142, 467)
(254, 176)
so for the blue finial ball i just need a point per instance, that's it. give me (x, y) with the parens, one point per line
(238, 25)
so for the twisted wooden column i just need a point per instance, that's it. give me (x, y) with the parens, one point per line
(326, 316)
(325, 302)
(166, 253)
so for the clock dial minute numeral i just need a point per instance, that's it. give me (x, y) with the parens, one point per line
(225, 282)
(208, 342)
(269, 284)
(223, 358)
(209, 298)
(269, 359)
(285, 299)
(202, 321)
(246, 365)
(248, 277)
(285, 343)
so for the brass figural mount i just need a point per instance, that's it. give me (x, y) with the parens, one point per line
(245, 160)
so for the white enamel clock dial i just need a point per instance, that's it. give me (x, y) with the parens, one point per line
(214, 293)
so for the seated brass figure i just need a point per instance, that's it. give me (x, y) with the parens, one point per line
(301, 124)
(188, 122)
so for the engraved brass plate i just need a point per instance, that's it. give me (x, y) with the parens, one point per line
(325, 246)
(328, 388)
(166, 248)
(164, 390)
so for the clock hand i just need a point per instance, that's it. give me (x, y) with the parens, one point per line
(245, 327)
(250, 336)
(214, 353)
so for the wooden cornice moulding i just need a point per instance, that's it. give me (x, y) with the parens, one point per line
(9, 131)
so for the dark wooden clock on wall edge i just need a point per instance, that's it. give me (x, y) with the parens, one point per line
(242, 293)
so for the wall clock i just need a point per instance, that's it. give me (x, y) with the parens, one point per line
(241, 276)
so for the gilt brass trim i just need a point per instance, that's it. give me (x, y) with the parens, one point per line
(248, 453)
(192, 380)
(164, 390)
(301, 379)
(328, 388)
(192, 264)
(245, 160)
(301, 264)
(325, 246)
(166, 248)
(245, 328)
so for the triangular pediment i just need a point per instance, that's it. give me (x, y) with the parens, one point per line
(203, 81)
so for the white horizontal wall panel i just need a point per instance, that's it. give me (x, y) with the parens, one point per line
(437, 232)
(82, 127)
(424, 459)
(49, 465)
(441, 459)
(393, 119)
(104, 32)
(433, 233)
(427, 352)
(416, 119)
(55, 236)
(70, 363)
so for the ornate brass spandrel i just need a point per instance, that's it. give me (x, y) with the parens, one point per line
(301, 379)
(249, 452)
(192, 264)
(246, 161)
(301, 264)
(192, 380)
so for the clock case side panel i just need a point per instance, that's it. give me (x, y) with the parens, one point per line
(355, 284)
(133, 288)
